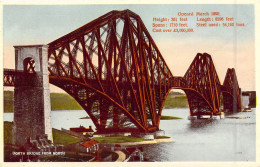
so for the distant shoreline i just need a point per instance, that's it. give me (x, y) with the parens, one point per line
(173, 100)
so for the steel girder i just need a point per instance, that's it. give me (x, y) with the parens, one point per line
(114, 69)
(231, 92)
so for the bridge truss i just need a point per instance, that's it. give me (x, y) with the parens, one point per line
(203, 86)
(115, 71)
(231, 92)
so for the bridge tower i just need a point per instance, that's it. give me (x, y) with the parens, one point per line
(32, 103)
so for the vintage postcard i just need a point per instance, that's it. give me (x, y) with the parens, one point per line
(129, 82)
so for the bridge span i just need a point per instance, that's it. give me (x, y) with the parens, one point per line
(115, 71)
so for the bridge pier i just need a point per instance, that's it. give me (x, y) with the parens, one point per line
(221, 115)
(32, 103)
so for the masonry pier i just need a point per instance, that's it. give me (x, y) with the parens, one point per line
(32, 102)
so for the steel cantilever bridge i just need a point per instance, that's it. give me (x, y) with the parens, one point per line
(115, 71)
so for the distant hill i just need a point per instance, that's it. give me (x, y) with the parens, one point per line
(176, 100)
(59, 101)
(63, 101)
(172, 93)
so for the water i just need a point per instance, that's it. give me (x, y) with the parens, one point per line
(206, 140)
(63, 119)
(200, 140)
(67, 119)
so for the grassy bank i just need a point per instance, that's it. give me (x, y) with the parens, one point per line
(62, 138)
(162, 137)
(118, 139)
(58, 136)
(164, 117)
(65, 139)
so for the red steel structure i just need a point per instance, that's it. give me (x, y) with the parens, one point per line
(202, 86)
(115, 71)
(231, 92)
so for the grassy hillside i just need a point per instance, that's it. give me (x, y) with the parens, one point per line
(59, 101)
(62, 101)
(176, 100)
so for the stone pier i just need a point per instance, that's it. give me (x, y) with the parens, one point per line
(32, 103)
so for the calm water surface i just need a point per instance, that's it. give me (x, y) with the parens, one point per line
(200, 140)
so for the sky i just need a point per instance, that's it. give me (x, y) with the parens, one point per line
(230, 47)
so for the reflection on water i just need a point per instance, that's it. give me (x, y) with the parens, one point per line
(199, 140)
(200, 123)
